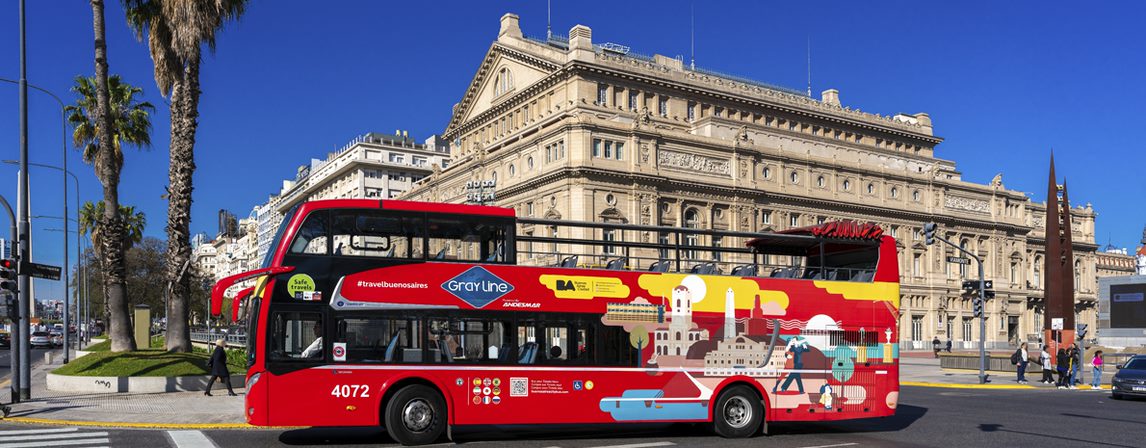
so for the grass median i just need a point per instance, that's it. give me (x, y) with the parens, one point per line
(154, 361)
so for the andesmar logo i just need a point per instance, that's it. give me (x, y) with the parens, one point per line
(477, 287)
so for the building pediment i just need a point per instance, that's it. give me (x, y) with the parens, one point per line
(503, 73)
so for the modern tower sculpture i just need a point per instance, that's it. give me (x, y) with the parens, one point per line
(1058, 291)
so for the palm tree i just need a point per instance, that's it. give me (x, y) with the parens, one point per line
(134, 223)
(176, 32)
(107, 167)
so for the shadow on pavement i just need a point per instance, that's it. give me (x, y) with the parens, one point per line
(905, 416)
(1140, 422)
(992, 427)
(335, 436)
(31, 412)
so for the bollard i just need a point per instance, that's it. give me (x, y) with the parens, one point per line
(48, 358)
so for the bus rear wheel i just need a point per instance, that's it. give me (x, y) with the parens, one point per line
(738, 413)
(416, 415)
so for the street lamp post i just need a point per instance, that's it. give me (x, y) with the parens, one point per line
(81, 271)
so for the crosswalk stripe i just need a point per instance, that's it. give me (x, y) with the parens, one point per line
(36, 431)
(53, 436)
(189, 439)
(39, 444)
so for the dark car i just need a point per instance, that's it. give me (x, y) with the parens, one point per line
(1130, 379)
(5, 339)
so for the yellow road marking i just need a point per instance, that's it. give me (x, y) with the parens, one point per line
(200, 426)
(982, 386)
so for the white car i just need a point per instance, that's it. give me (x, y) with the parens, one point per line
(41, 339)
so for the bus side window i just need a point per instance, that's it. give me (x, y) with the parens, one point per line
(556, 344)
(297, 336)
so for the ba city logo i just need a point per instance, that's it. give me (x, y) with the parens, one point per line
(477, 287)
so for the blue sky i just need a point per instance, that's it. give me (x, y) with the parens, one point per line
(1004, 82)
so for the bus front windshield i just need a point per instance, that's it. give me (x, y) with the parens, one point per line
(278, 236)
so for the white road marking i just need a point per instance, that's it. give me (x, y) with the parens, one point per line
(637, 445)
(40, 444)
(189, 439)
(36, 431)
(53, 436)
(831, 446)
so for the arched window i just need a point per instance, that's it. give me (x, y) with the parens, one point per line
(1038, 267)
(963, 267)
(503, 82)
(1078, 274)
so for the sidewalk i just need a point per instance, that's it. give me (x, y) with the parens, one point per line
(925, 371)
(170, 410)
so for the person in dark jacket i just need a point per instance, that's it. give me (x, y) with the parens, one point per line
(218, 365)
(1063, 363)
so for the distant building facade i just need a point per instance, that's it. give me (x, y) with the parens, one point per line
(573, 129)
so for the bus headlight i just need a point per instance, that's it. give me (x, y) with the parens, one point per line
(252, 380)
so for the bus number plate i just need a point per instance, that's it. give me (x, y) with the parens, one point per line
(351, 391)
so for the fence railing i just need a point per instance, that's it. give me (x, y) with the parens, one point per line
(232, 340)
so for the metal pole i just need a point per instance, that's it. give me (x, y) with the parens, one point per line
(23, 282)
(67, 267)
(983, 304)
(15, 334)
(982, 325)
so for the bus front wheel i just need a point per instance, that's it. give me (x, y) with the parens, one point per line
(416, 415)
(738, 413)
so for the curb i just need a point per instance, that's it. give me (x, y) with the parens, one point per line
(984, 386)
(133, 384)
(136, 425)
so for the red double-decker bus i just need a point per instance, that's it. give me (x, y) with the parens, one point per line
(422, 317)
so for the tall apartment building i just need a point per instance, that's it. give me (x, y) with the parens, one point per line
(573, 129)
(370, 166)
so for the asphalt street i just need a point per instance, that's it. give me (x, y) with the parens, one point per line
(37, 357)
(927, 417)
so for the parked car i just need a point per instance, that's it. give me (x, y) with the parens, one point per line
(1130, 379)
(57, 337)
(5, 339)
(41, 339)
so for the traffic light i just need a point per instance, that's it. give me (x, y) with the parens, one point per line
(929, 233)
(1080, 331)
(978, 307)
(8, 276)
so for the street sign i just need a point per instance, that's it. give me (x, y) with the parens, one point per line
(974, 284)
(958, 260)
(44, 271)
(1056, 323)
(989, 294)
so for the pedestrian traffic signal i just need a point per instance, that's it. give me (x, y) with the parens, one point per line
(8, 276)
(978, 307)
(929, 233)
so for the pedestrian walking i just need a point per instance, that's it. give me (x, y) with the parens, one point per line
(1097, 363)
(1048, 368)
(1063, 362)
(935, 345)
(948, 344)
(218, 365)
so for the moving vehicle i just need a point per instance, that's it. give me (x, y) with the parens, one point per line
(1130, 379)
(40, 339)
(421, 317)
(5, 339)
(56, 336)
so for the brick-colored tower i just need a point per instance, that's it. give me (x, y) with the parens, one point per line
(1058, 280)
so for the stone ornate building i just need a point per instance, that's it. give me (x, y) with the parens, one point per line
(578, 130)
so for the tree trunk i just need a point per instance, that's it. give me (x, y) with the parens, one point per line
(184, 122)
(108, 168)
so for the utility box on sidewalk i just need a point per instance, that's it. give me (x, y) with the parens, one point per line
(142, 327)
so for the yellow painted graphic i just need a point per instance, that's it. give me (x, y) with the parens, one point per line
(298, 284)
(877, 291)
(585, 287)
(711, 293)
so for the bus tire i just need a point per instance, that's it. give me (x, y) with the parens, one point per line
(416, 415)
(738, 413)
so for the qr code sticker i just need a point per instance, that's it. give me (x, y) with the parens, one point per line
(519, 387)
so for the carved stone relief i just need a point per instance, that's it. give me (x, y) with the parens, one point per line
(968, 204)
(694, 162)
